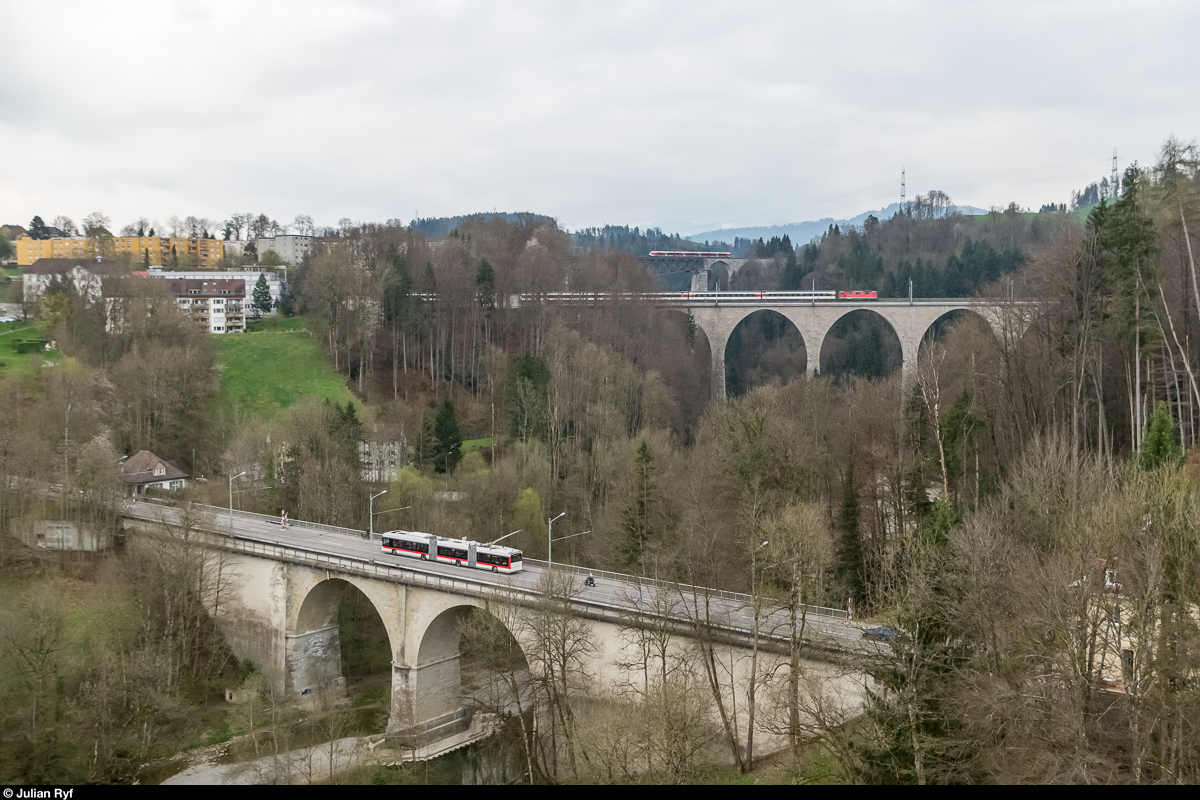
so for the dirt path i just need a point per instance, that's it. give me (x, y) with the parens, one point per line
(305, 765)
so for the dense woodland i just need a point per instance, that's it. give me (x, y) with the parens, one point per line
(1021, 513)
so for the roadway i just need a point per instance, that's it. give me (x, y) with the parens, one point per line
(614, 593)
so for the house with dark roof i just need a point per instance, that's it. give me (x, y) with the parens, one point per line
(145, 470)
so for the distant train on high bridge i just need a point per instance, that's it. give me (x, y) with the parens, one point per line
(812, 296)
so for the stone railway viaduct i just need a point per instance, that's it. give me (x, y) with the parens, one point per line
(718, 314)
(910, 320)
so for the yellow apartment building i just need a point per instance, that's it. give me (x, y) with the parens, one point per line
(163, 250)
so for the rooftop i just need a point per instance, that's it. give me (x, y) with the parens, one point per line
(61, 266)
(141, 468)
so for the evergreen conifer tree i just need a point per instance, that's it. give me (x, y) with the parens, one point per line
(261, 300)
(448, 449)
(636, 518)
(1161, 446)
(849, 564)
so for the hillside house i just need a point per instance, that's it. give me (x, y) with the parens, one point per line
(147, 471)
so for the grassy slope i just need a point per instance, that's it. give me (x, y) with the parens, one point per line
(274, 367)
(20, 362)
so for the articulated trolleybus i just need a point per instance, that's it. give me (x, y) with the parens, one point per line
(459, 552)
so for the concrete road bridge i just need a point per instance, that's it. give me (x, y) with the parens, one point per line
(281, 610)
(719, 313)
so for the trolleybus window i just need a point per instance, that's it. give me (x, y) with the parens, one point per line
(451, 552)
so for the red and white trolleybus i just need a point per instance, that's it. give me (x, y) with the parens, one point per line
(459, 552)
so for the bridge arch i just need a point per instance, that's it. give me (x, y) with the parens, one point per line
(953, 318)
(764, 344)
(720, 273)
(861, 341)
(317, 656)
(435, 681)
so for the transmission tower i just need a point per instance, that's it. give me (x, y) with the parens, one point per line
(1113, 186)
(902, 190)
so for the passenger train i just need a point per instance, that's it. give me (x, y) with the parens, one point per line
(459, 552)
(728, 297)
(688, 254)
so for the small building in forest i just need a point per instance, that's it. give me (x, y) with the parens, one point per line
(147, 471)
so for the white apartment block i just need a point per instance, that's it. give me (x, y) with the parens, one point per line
(291, 248)
(274, 283)
(217, 305)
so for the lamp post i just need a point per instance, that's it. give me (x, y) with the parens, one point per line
(231, 479)
(371, 513)
(550, 540)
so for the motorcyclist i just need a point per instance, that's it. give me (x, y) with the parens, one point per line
(590, 580)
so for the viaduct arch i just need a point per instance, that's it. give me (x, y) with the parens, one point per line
(422, 629)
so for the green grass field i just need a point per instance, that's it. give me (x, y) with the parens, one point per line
(275, 367)
(13, 361)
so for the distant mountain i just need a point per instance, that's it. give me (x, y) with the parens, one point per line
(804, 232)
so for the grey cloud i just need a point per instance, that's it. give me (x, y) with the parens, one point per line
(686, 115)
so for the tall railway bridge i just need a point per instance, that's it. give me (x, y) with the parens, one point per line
(717, 314)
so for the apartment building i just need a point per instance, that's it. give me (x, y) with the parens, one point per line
(275, 284)
(217, 305)
(87, 275)
(161, 251)
(290, 248)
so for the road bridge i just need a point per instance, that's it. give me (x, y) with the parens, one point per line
(280, 611)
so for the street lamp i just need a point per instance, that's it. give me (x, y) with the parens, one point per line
(231, 479)
(371, 513)
(550, 540)
(752, 559)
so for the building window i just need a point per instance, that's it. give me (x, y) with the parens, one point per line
(160, 471)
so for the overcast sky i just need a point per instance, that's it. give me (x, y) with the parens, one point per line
(684, 115)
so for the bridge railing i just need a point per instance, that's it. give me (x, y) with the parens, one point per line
(686, 589)
(219, 512)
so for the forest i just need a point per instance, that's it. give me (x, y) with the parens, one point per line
(1023, 516)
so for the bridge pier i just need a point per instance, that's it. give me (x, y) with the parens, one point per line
(314, 661)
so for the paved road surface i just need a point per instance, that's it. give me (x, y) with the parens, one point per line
(612, 591)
